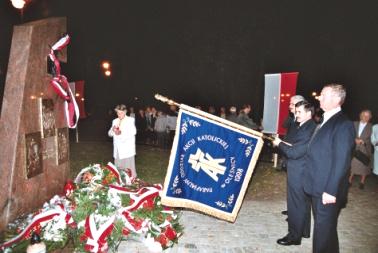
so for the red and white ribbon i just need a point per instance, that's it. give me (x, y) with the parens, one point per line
(134, 226)
(67, 217)
(151, 192)
(61, 87)
(41, 217)
(97, 237)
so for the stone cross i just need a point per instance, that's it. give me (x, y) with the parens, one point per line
(34, 143)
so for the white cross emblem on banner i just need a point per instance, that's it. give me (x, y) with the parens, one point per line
(209, 165)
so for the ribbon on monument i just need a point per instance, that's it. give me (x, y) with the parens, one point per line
(60, 84)
(210, 165)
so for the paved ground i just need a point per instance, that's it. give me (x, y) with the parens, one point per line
(260, 224)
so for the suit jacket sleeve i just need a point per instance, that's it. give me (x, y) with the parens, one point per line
(296, 151)
(286, 124)
(300, 144)
(342, 145)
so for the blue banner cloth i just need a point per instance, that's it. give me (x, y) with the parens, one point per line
(210, 166)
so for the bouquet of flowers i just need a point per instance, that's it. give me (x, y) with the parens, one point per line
(100, 208)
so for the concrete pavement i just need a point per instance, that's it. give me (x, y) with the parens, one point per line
(260, 223)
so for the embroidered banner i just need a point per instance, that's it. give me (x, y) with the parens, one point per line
(210, 165)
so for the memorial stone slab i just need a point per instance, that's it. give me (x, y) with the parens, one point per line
(31, 172)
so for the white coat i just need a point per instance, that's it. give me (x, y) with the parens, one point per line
(123, 144)
(374, 141)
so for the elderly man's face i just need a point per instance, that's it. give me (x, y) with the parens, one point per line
(293, 101)
(328, 99)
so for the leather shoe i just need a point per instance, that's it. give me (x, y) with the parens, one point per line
(285, 241)
(284, 212)
(306, 236)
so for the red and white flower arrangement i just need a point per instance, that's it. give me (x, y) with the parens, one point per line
(100, 208)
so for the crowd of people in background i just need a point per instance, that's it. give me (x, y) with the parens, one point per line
(157, 127)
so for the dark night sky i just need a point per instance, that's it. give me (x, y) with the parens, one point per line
(211, 52)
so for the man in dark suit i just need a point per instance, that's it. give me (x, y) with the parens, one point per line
(298, 203)
(290, 124)
(327, 165)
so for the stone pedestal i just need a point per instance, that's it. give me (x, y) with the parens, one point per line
(32, 125)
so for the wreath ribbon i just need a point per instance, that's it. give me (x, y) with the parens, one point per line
(97, 237)
(39, 218)
(61, 87)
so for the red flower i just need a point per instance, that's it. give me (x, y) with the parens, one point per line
(125, 231)
(137, 224)
(69, 187)
(87, 177)
(83, 238)
(163, 240)
(149, 204)
(72, 225)
(73, 205)
(128, 172)
(170, 233)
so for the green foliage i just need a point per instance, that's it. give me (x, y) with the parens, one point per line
(125, 199)
(86, 206)
(117, 236)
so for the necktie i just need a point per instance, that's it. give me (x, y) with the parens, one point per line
(317, 128)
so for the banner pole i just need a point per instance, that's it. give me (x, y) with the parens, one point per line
(210, 116)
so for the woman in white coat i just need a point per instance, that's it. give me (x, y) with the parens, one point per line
(123, 132)
(374, 141)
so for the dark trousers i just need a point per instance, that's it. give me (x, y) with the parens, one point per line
(325, 239)
(299, 212)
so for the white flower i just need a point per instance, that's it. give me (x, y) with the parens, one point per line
(115, 199)
(81, 224)
(152, 245)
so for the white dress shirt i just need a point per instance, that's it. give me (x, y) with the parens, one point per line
(329, 114)
(361, 128)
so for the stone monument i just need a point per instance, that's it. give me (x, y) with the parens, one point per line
(34, 148)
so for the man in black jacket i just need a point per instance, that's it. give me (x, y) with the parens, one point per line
(290, 123)
(328, 161)
(298, 203)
